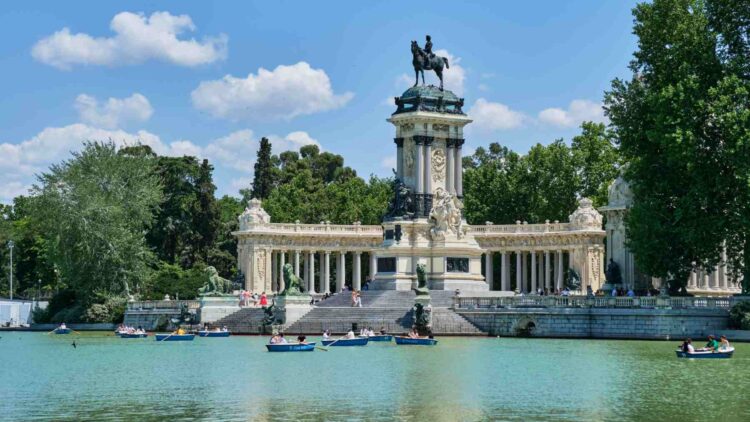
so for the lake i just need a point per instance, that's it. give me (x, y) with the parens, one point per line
(105, 378)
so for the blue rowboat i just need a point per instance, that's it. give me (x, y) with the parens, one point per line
(132, 335)
(214, 333)
(381, 337)
(62, 330)
(724, 354)
(175, 337)
(415, 341)
(361, 341)
(291, 347)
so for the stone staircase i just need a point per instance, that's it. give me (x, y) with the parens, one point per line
(387, 299)
(341, 319)
(244, 321)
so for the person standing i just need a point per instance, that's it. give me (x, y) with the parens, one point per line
(263, 299)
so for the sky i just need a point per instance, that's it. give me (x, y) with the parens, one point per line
(211, 79)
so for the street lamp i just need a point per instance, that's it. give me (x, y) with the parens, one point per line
(10, 246)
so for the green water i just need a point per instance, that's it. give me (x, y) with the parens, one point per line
(44, 377)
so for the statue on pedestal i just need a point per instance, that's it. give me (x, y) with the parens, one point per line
(423, 318)
(293, 286)
(216, 285)
(421, 289)
(613, 273)
(402, 204)
(426, 60)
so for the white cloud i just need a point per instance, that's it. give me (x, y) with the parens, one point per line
(489, 116)
(578, 111)
(137, 38)
(283, 93)
(115, 112)
(389, 162)
(454, 77)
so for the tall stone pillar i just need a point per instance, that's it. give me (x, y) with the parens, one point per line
(274, 267)
(341, 271)
(533, 272)
(547, 266)
(428, 168)
(450, 167)
(519, 272)
(459, 173)
(559, 272)
(488, 268)
(326, 272)
(282, 284)
(693, 282)
(357, 277)
(296, 263)
(540, 269)
(706, 278)
(311, 274)
(524, 265)
(420, 165)
(505, 273)
(373, 266)
(723, 279)
(399, 157)
(306, 270)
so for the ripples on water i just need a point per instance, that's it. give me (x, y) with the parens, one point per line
(105, 378)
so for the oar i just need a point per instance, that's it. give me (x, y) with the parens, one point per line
(330, 344)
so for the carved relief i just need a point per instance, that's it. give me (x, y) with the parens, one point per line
(407, 127)
(261, 265)
(438, 165)
(446, 215)
(440, 128)
(409, 157)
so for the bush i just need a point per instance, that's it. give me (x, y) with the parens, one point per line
(172, 280)
(739, 316)
(107, 308)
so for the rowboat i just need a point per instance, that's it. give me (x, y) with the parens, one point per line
(415, 341)
(175, 337)
(706, 354)
(380, 337)
(291, 347)
(360, 341)
(62, 330)
(132, 335)
(214, 333)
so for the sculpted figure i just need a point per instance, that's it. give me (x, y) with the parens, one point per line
(446, 215)
(421, 281)
(293, 286)
(215, 285)
(425, 60)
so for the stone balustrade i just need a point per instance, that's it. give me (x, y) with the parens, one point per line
(145, 305)
(646, 302)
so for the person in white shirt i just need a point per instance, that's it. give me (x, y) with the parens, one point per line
(282, 340)
(350, 334)
(326, 335)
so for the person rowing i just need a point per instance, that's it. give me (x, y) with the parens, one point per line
(350, 334)
(301, 339)
(712, 345)
(326, 335)
(687, 346)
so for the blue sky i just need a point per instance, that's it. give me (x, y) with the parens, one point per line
(185, 77)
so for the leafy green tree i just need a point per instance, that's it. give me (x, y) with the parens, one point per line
(263, 179)
(597, 161)
(206, 213)
(94, 210)
(682, 122)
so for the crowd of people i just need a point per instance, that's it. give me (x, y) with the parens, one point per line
(248, 298)
(128, 329)
(712, 345)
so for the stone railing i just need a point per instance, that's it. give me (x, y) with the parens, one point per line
(490, 229)
(315, 228)
(593, 302)
(148, 305)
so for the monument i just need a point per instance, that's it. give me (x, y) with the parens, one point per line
(216, 297)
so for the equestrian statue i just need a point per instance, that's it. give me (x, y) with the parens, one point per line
(427, 60)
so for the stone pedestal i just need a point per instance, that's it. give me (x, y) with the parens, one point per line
(291, 308)
(214, 308)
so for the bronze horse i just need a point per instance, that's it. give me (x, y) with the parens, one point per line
(420, 59)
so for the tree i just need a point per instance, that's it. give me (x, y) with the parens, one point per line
(206, 221)
(263, 179)
(682, 123)
(94, 210)
(597, 161)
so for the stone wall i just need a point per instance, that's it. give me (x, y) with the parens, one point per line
(149, 319)
(600, 323)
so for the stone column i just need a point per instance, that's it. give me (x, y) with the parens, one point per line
(693, 282)
(341, 272)
(505, 271)
(373, 267)
(326, 272)
(547, 278)
(449, 166)
(420, 165)
(525, 272)
(282, 284)
(399, 157)
(459, 174)
(428, 166)
(706, 280)
(559, 273)
(723, 283)
(306, 270)
(519, 271)
(296, 263)
(357, 277)
(321, 283)
(540, 269)
(533, 272)
(274, 278)
(488, 268)
(311, 274)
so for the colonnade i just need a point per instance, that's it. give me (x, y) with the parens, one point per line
(536, 269)
(304, 263)
(423, 164)
(716, 278)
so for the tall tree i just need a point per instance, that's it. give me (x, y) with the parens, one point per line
(263, 180)
(682, 122)
(206, 220)
(597, 160)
